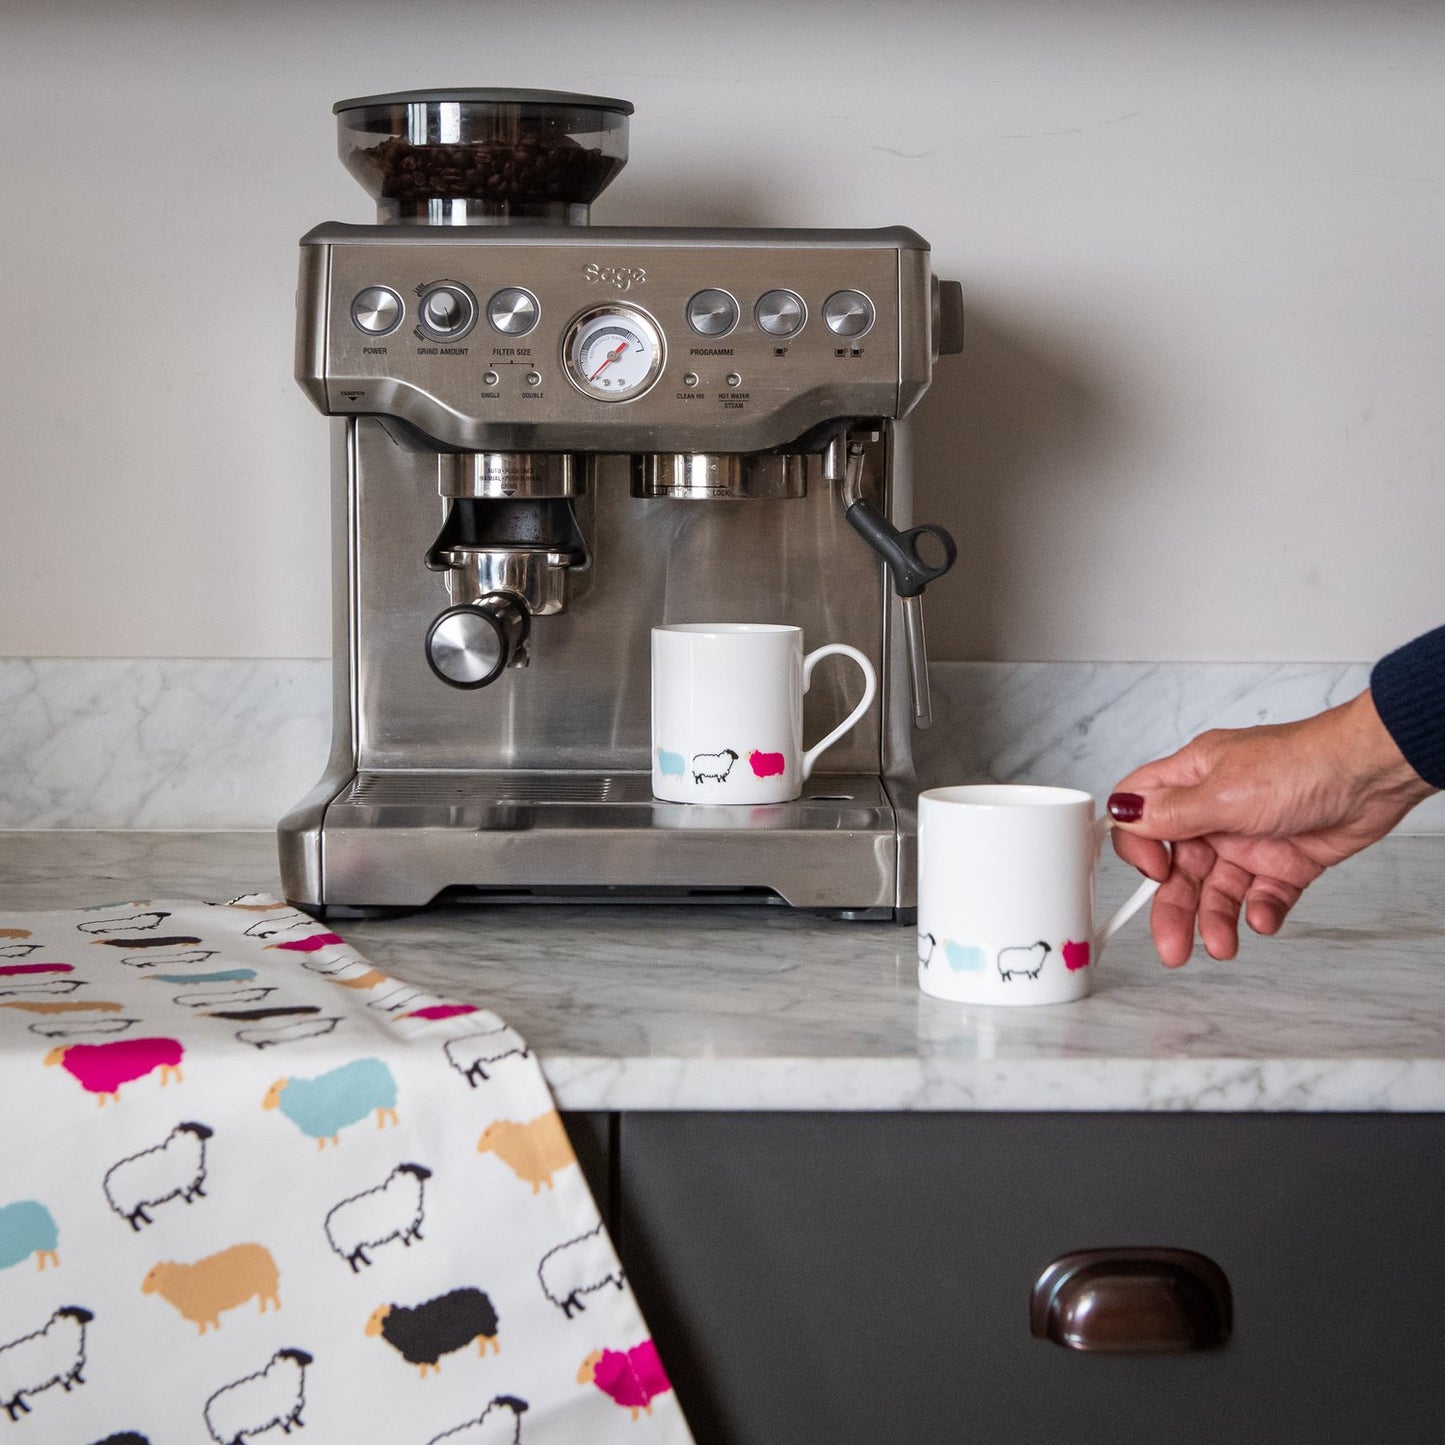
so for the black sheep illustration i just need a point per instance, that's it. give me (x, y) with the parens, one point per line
(124, 923)
(126, 1437)
(422, 1334)
(53, 1355)
(258, 1403)
(173, 1169)
(175, 940)
(392, 1210)
(191, 955)
(713, 767)
(1026, 963)
(499, 1424)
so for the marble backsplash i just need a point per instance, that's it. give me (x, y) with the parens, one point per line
(223, 744)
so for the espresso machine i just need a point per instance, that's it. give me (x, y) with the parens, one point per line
(549, 437)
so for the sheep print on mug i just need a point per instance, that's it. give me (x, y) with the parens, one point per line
(297, 1197)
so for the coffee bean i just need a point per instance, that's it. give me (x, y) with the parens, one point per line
(533, 167)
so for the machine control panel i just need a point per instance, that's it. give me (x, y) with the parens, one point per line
(626, 341)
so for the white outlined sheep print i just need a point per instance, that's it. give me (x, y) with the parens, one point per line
(254, 1188)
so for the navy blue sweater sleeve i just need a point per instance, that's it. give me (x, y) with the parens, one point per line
(1408, 686)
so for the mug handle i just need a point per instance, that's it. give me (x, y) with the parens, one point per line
(870, 688)
(1141, 895)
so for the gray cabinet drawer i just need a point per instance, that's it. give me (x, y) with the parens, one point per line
(835, 1278)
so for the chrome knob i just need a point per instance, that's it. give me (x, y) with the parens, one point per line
(513, 311)
(848, 313)
(377, 310)
(712, 313)
(471, 646)
(448, 312)
(780, 313)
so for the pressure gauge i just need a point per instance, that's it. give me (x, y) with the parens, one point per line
(613, 353)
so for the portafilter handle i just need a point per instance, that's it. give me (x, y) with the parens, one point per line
(910, 572)
(472, 645)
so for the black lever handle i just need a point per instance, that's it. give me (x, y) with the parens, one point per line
(899, 549)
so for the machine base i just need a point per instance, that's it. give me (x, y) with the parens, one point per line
(402, 840)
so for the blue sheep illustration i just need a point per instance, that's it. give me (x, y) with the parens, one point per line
(671, 765)
(322, 1107)
(219, 975)
(26, 1228)
(965, 957)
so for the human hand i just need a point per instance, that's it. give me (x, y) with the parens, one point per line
(1255, 815)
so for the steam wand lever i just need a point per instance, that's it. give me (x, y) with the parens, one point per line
(911, 573)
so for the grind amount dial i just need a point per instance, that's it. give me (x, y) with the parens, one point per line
(613, 353)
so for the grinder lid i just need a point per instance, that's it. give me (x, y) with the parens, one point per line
(495, 95)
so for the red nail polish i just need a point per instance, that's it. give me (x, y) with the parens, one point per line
(1126, 807)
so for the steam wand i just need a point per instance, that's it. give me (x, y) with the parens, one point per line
(911, 574)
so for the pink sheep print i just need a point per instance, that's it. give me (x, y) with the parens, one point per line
(309, 944)
(103, 1068)
(767, 765)
(633, 1379)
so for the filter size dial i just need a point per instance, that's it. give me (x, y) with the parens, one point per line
(613, 353)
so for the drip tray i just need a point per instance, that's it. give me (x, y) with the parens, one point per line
(394, 838)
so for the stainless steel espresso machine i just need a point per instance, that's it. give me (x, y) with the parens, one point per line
(550, 437)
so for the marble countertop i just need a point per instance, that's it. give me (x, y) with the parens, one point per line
(720, 1008)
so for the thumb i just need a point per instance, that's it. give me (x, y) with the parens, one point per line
(1171, 814)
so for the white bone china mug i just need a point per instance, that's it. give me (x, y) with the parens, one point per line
(1006, 894)
(727, 711)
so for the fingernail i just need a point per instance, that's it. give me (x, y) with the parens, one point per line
(1126, 807)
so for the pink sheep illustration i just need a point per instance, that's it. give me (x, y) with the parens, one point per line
(632, 1379)
(441, 1011)
(309, 944)
(101, 1069)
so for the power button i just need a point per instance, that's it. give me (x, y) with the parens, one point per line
(377, 310)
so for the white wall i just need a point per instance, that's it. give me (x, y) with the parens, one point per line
(1202, 412)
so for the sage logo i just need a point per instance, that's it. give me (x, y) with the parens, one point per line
(622, 277)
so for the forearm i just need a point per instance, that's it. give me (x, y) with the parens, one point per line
(1407, 688)
(1369, 753)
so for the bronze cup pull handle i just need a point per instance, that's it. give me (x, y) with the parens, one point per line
(1132, 1301)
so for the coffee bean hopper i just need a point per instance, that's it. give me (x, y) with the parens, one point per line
(549, 437)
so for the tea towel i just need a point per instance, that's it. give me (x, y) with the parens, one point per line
(251, 1187)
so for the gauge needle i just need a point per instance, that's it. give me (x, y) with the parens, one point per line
(611, 357)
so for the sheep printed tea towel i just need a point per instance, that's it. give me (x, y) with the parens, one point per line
(253, 1188)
